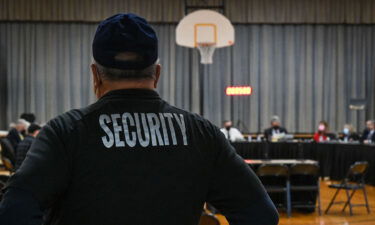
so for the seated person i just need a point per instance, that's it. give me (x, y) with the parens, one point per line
(16, 134)
(275, 132)
(368, 135)
(24, 146)
(231, 133)
(322, 134)
(348, 133)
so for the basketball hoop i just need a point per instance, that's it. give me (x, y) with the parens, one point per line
(206, 51)
(205, 30)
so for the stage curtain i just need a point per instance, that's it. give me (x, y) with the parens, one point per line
(303, 73)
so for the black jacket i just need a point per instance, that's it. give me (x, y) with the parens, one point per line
(14, 137)
(131, 158)
(351, 137)
(365, 136)
(268, 132)
(22, 149)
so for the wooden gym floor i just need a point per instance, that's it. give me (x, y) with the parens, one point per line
(335, 216)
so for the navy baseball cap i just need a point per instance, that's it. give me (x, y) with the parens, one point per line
(125, 41)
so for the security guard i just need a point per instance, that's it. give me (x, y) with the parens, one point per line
(131, 158)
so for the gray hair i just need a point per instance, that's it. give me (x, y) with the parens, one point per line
(275, 119)
(114, 74)
(23, 122)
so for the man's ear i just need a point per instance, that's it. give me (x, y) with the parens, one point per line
(157, 75)
(97, 81)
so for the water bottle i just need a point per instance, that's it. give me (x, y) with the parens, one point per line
(249, 138)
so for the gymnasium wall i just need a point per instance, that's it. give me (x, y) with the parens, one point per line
(306, 59)
(171, 11)
(303, 73)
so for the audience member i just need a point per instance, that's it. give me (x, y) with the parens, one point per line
(368, 135)
(17, 133)
(275, 132)
(29, 117)
(24, 146)
(231, 133)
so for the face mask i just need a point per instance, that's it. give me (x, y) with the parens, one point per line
(321, 128)
(276, 127)
(345, 131)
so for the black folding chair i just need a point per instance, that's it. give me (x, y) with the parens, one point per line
(8, 155)
(275, 179)
(353, 181)
(305, 178)
(208, 219)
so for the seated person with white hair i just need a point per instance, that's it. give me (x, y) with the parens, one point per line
(368, 135)
(16, 134)
(231, 133)
(275, 132)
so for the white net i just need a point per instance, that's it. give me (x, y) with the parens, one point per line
(206, 51)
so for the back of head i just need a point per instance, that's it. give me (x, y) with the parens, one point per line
(125, 47)
(29, 117)
(33, 127)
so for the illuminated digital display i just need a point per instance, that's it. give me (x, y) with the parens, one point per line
(238, 90)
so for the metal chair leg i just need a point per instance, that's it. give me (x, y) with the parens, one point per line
(350, 204)
(288, 200)
(332, 200)
(347, 202)
(366, 200)
(319, 203)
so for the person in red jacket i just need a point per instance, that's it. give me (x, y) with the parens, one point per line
(321, 134)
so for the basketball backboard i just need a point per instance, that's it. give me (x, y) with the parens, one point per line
(205, 30)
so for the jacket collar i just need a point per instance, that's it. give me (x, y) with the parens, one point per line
(131, 93)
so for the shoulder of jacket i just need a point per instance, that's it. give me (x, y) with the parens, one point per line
(198, 120)
(67, 122)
